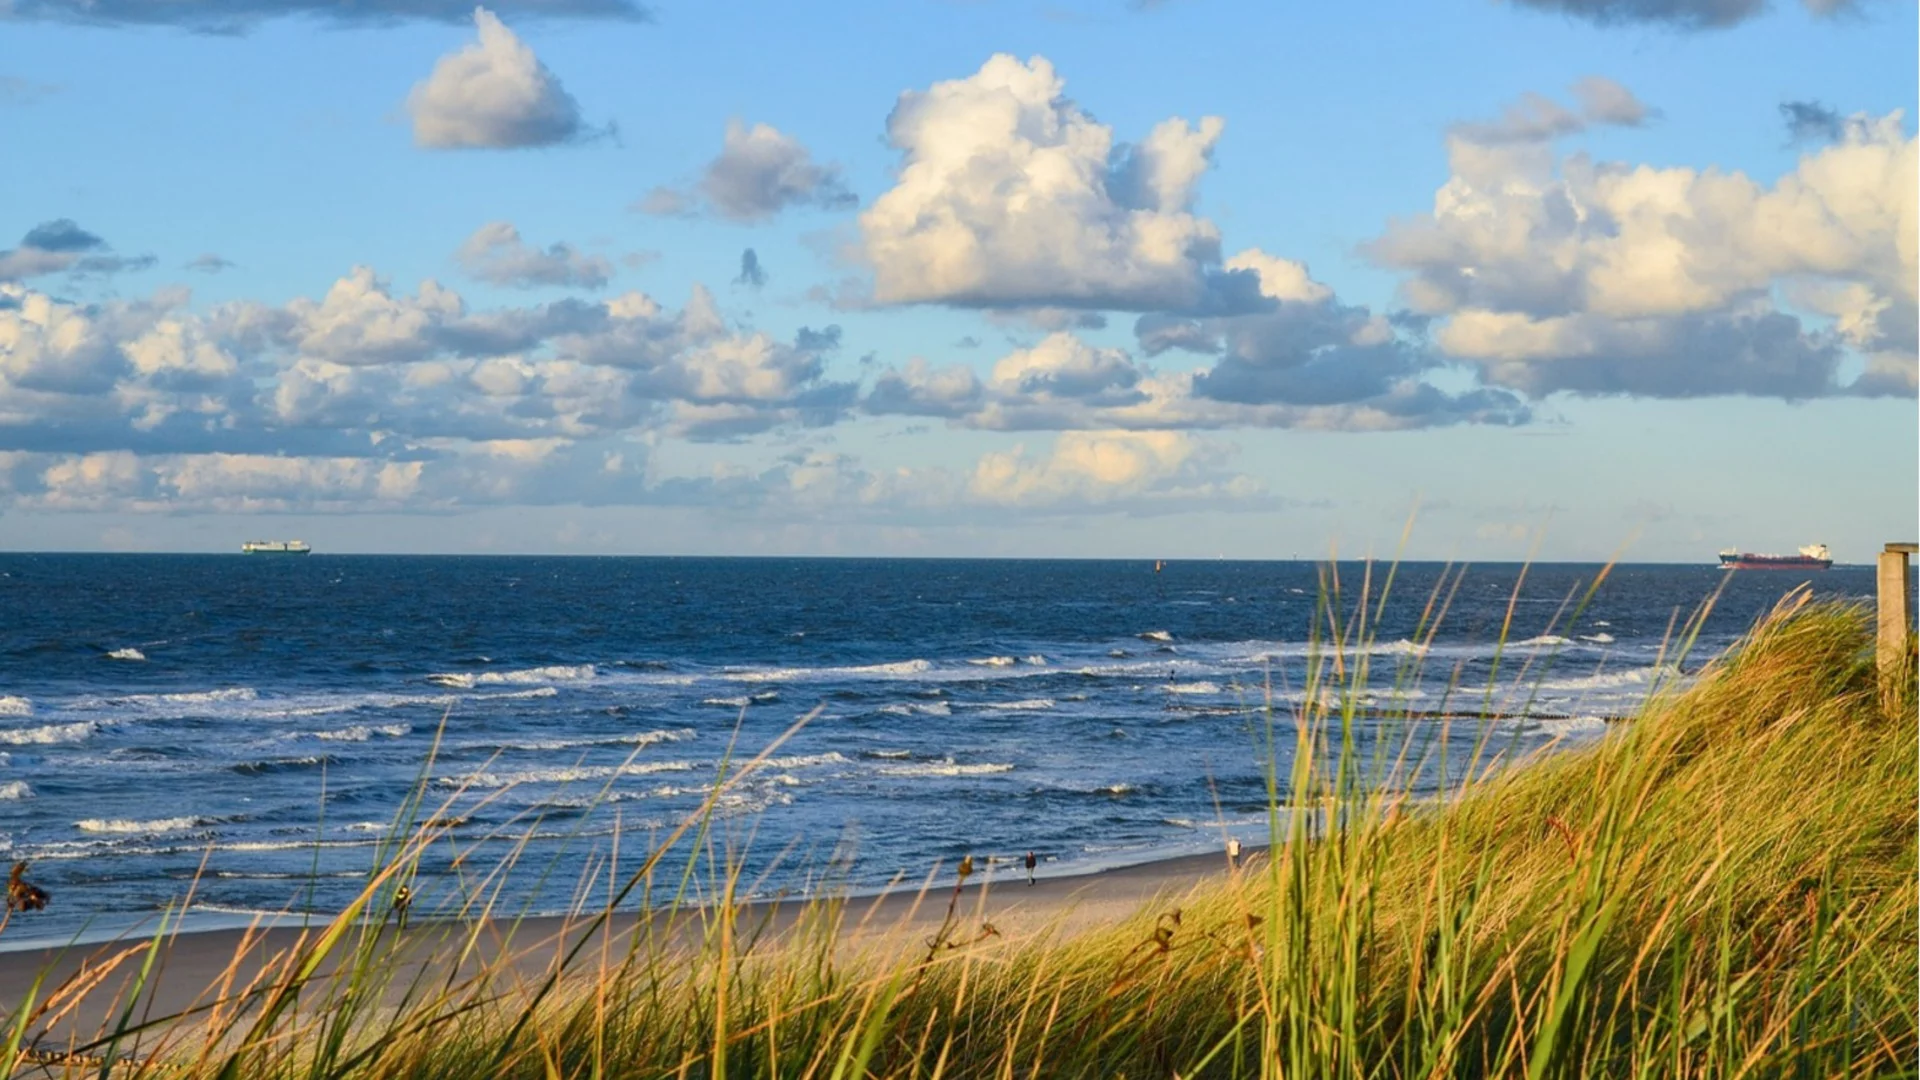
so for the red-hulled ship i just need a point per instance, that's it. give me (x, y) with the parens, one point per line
(1811, 557)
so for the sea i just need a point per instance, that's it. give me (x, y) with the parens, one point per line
(224, 736)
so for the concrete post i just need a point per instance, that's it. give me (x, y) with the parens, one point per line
(1896, 613)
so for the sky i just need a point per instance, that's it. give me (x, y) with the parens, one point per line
(1561, 279)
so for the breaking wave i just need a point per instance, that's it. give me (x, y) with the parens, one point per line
(15, 706)
(1156, 635)
(552, 673)
(1202, 687)
(133, 826)
(897, 669)
(48, 734)
(947, 767)
(934, 708)
(563, 775)
(994, 661)
(128, 653)
(363, 732)
(15, 789)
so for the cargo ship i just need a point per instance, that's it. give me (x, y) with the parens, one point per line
(1811, 557)
(275, 547)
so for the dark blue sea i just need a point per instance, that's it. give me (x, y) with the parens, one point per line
(248, 727)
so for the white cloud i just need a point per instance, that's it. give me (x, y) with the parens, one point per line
(496, 253)
(1564, 273)
(492, 94)
(760, 172)
(1009, 195)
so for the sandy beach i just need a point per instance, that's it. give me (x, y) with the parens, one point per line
(192, 968)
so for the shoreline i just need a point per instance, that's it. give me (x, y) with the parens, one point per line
(193, 962)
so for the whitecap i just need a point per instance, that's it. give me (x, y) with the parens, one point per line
(128, 653)
(1202, 687)
(897, 669)
(15, 706)
(944, 768)
(1156, 635)
(363, 732)
(801, 761)
(1026, 705)
(48, 734)
(134, 826)
(1611, 680)
(1542, 640)
(552, 673)
(15, 789)
(935, 708)
(1572, 727)
(562, 775)
(893, 755)
(994, 661)
(1602, 638)
(1036, 660)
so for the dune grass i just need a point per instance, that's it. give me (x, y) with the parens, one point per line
(1725, 886)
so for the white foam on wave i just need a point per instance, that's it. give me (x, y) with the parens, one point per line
(135, 826)
(1602, 638)
(947, 767)
(764, 697)
(1024, 705)
(1541, 641)
(1156, 635)
(1036, 660)
(897, 669)
(1610, 680)
(564, 775)
(1572, 727)
(994, 661)
(15, 706)
(14, 790)
(892, 755)
(802, 761)
(638, 738)
(551, 673)
(1201, 687)
(933, 708)
(192, 697)
(128, 653)
(48, 734)
(364, 732)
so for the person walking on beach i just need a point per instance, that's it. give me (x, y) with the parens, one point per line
(1233, 852)
(1032, 861)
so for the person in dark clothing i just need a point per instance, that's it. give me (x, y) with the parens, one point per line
(1032, 861)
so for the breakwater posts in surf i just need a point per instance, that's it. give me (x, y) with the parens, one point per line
(1895, 611)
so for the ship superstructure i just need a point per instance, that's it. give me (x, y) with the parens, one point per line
(275, 547)
(1811, 557)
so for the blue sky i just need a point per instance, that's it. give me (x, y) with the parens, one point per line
(1561, 274)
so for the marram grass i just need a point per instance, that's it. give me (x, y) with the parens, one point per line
(1723, 887)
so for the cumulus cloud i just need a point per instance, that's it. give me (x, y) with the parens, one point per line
(236, 16)
(1009, 195)
(492, 94)
(496, 253)
(760, 172)
(1678, 14)
(1593, 277)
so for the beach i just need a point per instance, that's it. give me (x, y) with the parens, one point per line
(193, 968)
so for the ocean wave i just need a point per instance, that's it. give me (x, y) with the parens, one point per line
(131, 825)
(189, 697)
(1541, 641)
(128, 653)
(994, 661)
(48, 734)
(364, 732)
(895, 670)
(563, 775)
(1036, 660)
(1610, 680)
(552, 673)
(14, 790)
(932, 708)
(887, 755)
(15, 706)
(947, 767)
(1025, 705)
(1572, 726)
(639, 738)
(280, 765)
(801, 761)
(1601, 638)
(1201, 687)
(764, 697)
(1155, 635)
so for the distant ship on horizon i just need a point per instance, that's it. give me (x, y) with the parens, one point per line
(275, 547)
(1811, 557)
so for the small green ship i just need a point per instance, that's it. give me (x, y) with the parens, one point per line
(275, 547)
